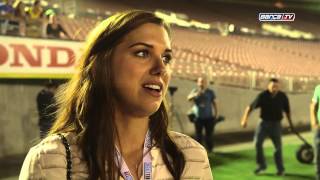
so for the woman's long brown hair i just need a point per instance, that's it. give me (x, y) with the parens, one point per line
(86, 103)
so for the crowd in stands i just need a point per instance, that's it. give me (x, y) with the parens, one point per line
(18, 18)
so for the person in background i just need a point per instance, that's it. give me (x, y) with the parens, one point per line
(6, 8)
(36, 11)
(272, 103)
(6, 14)
(54, 28)
(205, 110)
(20, 16)
(315, 118)
(46, 107)
(36, 18)
(112, 121)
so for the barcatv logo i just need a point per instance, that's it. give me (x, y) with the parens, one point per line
(277, 16)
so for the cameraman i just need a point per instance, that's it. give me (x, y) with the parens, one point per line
(204, 100)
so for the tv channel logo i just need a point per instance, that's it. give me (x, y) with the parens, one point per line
(277, 16)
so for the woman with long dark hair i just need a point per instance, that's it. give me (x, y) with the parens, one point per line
(112, 121)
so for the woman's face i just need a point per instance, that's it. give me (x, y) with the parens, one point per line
(141, 67)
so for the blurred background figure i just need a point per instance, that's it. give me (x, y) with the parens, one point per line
(6, 8)
(36, 12)
(36, 19)
(272, 103)
(54, 28)
(46, 107)
(20, 17)
(315, 117)
(204, 100)
(6, 14)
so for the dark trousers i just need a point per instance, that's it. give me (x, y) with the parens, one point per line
(206, 124)
(317, 153)
(272, 130)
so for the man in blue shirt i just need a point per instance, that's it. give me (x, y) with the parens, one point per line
(6, 14)
(204, 101)
(6, 7)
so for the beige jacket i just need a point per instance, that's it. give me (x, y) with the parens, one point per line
(47, 160)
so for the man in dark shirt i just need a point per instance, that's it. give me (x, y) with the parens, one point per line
(272, 103)
(54, 28)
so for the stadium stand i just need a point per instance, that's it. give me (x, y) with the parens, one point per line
(230, 59)
(234, 59)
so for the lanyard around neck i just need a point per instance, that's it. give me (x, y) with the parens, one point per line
(147, 162)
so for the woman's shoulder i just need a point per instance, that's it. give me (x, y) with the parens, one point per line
(53, 145)
(188, 144)
(47, 155)
(184, 140)
(197, 162)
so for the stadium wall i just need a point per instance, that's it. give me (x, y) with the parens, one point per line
(18, 118)
(231, 103)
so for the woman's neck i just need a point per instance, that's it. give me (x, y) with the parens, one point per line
(131, 132)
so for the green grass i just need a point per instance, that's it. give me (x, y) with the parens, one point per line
(239, 165)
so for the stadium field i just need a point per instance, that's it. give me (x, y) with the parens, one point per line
(238, 162)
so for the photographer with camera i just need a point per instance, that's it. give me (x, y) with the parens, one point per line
(205, 111)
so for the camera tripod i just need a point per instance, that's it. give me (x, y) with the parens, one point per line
(173, 113)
